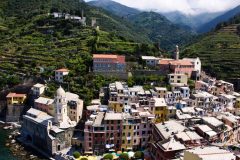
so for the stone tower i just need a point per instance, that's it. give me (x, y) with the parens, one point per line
(60, 104)
(176, 56)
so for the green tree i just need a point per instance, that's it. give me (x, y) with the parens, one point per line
(139, 155)
(108, 157)
(76, 154)
(124, 156)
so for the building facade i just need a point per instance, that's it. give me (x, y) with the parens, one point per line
(108, 63)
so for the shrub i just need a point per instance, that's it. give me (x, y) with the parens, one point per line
(76, 154)
(108, 157)
(84, 158)
(124, 156)
(139, 155)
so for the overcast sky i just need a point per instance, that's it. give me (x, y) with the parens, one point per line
(185, 6)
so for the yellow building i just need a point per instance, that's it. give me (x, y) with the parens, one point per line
(178, 78)
(15, 105)
(237, 103)
(14, 98)
(159, 108)
(127, 134)
(116, 106)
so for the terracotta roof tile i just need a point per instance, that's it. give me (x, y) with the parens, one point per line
(110, 56)
(62, 70)
(15, 95)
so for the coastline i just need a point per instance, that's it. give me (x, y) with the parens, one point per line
(11, 149)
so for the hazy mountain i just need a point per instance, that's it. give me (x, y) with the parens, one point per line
(114, 7)
(224, 17)
(161, 30)
(192, 21)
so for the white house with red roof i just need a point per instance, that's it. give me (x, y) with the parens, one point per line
(60, 73)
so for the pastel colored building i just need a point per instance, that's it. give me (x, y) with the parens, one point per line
(197, 65)
(75, 106)
(15, 98)
(161, 92)
(176, 66)
(114, 130)
(128, 133)
(94, 134)
(158, 107)
(185, 92)
(60, 73)
(45, 105)
(38, 89)
(178, 78)
(15, 105)
(109, 63)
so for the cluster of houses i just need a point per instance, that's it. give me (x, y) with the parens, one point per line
(67, 16)
(169, 122)
(188, 66)
(165, 122)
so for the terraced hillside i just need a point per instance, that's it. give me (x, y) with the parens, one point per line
(34, 44)
(219, 50)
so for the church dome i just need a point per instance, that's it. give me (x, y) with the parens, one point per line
(60, 92)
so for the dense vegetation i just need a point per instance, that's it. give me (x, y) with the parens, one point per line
(219, 50)
(162, 31)
(34, 44)
(157, 28)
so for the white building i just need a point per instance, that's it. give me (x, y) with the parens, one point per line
(38, 89)
(150, 60)
(185, 92)
(60, 73)
(196, 62)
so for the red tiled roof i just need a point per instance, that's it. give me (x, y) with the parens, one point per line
(175, 62)
(107, 56)
(62, 70)
(165, 61)
(182, 62)
(15, 95)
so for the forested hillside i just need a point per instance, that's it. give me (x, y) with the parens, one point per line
(154, 25)
(34, 44)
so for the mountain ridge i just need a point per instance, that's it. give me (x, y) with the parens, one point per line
(160, 27)
(221, 18)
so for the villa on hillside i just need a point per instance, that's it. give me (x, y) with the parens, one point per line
(110, 65)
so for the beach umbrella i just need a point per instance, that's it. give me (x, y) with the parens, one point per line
(119, 152)
(131, 154)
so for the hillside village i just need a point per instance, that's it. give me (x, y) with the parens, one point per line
(160, 122)
(95, 95)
